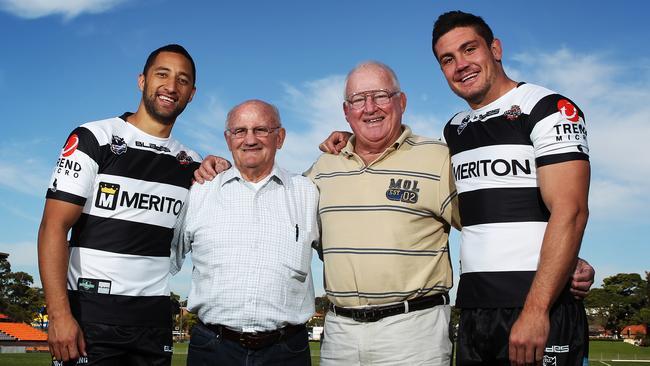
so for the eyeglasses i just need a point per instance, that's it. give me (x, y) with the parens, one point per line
(259, 131)
(379, 97)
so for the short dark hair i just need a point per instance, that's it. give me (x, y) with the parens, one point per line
(454, 19)
(175, 48)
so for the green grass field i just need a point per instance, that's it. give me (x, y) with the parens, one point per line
(608, 353)
(180, 355)
(600, 353)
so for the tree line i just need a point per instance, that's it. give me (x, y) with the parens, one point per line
(18, 299)
(624, 299)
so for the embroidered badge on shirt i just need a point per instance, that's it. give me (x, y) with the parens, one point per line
(513, 113)
(403, 190)
(183, 158)
(118, 145)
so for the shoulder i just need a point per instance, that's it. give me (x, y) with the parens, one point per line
(298, 182)
(458, 118)
(426, 146)
(179, 148)
(325, 163)
(425, 142)
(530, 96)
(104, 129)
(106, 125)
(198, 192)
(539, 102)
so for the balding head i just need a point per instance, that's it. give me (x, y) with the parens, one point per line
(254, 134)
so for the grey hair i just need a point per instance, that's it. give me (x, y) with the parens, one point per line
(381, 65)
(274, 109)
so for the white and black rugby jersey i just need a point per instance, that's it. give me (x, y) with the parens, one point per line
(132, 187)
(495, 152)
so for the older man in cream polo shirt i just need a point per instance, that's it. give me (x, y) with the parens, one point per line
(386, 211)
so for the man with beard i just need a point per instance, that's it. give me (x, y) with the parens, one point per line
(119, 184)
(522, 224)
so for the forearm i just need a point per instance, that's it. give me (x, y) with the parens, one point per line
(53, 257)
(558, 258)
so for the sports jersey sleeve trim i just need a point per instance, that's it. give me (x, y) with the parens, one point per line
(65, 196)
(560, 158)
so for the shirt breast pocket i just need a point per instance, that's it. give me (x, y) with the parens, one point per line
(296, 257)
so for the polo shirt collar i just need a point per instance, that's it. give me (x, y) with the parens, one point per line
(348, 150)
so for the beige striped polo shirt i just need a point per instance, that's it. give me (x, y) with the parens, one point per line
(385, 226)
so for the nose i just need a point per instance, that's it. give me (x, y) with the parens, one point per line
(370, 106)
(170, 84)
(461, 63)
(250, 138)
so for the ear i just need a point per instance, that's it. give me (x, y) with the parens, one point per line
(346, 109)
(192, 94)
(402, 101)
(282, 133)
(225, 136)
(141, 82)
(496, 49)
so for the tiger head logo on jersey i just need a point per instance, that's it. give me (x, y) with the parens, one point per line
(183, 158)
(513, 113)
(118, 145)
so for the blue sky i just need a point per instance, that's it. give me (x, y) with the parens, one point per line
(67, 62)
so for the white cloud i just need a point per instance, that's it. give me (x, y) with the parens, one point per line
(613, 97)
(205, 127)
(424, 125)
(21, 174)
(23, 213)
(316, 110)
(32, 9)
(18, 178)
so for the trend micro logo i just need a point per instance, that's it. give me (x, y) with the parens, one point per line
(107, 195)
(70, 145)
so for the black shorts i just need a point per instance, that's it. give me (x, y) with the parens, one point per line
(117, 345)
(483, 336)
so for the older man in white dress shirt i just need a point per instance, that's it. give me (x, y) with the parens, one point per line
(250, 232)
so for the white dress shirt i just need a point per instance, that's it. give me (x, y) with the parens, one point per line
(251, 250)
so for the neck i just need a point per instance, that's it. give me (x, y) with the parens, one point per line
(255, 175)
(369, 151)
(146, 123)
(498, 90)
(368, 156)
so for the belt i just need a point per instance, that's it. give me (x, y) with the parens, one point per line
(255, 340)
(374, 313)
